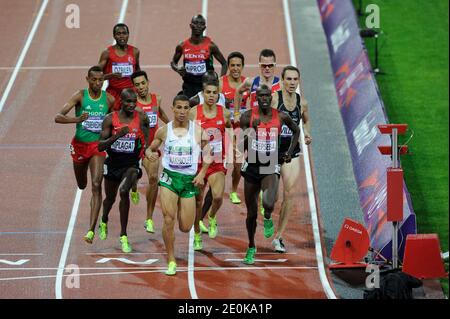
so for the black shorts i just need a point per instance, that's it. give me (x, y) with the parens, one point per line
(190, 89)
(254, 174)
(114, 173)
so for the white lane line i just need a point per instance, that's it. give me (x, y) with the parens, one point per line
(162, 270)
(103, 254)
(260, 260)
(23, 254)
(73, 216)
(65, 250)
(312, 199)
(22, 55)
(85, 67)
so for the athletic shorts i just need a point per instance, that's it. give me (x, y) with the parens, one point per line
(212, 169)
(252, 173)
(178, 183)
(191, 89)
(115, 173)
(116, 94)
(83, 151)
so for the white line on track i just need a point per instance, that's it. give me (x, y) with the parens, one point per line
(76, 204)
(23, 254)
(311, 195)
(22, 55)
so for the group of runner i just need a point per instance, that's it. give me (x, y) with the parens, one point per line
(253, 123)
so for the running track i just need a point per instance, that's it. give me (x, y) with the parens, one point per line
(44, 217)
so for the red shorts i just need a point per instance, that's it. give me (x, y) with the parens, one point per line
(82, 151)
(213, 168)
(115, 92)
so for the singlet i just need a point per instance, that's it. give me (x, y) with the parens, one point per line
(181, 153)
(266, 143)
(151, 110)
(197, 60)
(276, 85)
(221, 101)
(123, 64)
(229, 93)
(89, 130)
(215, 128)
(126, 150)
(286, 133)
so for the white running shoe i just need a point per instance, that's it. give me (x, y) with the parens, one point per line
(278, 245)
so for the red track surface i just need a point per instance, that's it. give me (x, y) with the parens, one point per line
(38, 186)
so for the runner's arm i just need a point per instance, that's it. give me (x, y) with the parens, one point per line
(219, 57)
(104, 57)
(286, 119)
(193, 114)
(106, 139)
(274, 103)
(161, 113)
(145, 126)
(205, 153)
(74, 100)
(111, 99)
(195, 100)
(137, 54)
(245, 86)
(306, 122)
(176, 58)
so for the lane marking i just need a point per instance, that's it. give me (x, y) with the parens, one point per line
(85, 67)
(22, 55)
(260, 260)
(127, 261)
(96, 254)
(20, 262)
(308, 170)
(73, 216)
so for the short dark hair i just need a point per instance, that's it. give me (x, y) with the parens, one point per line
(210, 75)
(138, 74)
(236, 54)
(95, 68)
(267, 53)
(198, 16)
(127, 91)
(289, 68)
(120, 25)
(262, 87)
(211, 82)
(180, 97)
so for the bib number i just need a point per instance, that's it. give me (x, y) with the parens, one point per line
(264, 146)
(152, 118)
(93, 124)
(123, 145)
(196, 68)
(125, 69)
(286, 131)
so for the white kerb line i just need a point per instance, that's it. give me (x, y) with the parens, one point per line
(191, 255)
(311, 196)
(76, 204)
(23, 54)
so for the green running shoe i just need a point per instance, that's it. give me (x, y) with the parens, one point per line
(126, 248)
(135, 197)
(261, 207)
(212, 227)
(149, 226)
(89, 237)
(103, 227)
(203, 228)
(268, 228)
(250, 256)
(234, 198)
(171, 269)
(198, 241)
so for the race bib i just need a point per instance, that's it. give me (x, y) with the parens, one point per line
(216, 146)
(126, 69)
(164, 178)
(286, 131)
(93, 124)
(196, 68)
(123, 145)
(264, 146)
(153, 118)
(180, 157)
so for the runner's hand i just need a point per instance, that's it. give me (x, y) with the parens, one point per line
(286, 158)
(181, 71)
(123, 131)
(83, 117)
(199, 180)
(308, 139)
(150, 155)
(116, 75)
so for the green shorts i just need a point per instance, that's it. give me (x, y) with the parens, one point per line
(178, 183)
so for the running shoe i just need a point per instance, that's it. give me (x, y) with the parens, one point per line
(126, 248)
(278, 245)
(171, 268)
(250, 256)
(89, 237)
(135, 197)
(234, 198)
(268, 228)
(261, 207)
(148, 225)
(212, 227)
(198, 241)
(103, 227)
(203, 228)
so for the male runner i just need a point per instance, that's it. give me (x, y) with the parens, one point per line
(124, 135)
(197, 52)
(289, 102)
(118, 62)
(91, 106)
(180, 179)
(150, 103)
(261, 169)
